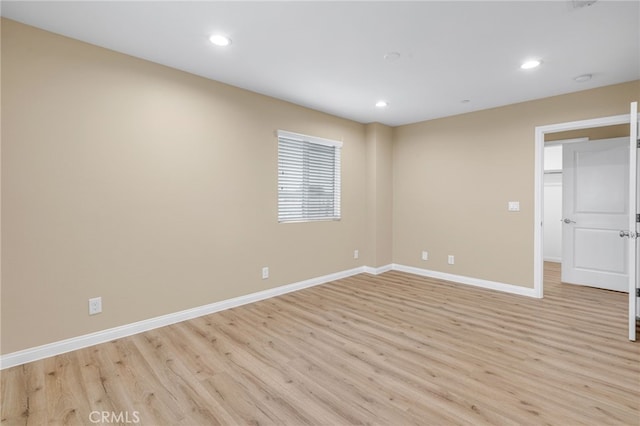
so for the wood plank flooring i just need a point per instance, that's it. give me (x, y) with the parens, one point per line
(394, 349)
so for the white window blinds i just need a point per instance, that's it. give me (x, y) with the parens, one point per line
(308, 178)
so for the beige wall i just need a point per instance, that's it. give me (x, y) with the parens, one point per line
(156, 189)
(595, 133)
(379, 139)
(150, 187)
(453, 178)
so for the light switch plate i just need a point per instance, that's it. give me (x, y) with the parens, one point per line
(514, 206)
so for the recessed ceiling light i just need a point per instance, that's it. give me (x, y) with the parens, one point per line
(533, 63)
(220, 40)
(582, 78)
(381, 104)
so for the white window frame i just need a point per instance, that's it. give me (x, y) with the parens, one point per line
(296, 202)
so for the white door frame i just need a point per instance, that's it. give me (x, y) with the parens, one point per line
(540, 132)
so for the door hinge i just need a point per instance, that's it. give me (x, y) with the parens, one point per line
(637, 292)
(638, 218)
(638, 143)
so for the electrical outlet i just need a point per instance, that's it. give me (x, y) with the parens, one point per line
(425, 255)
(95, 305)
(265, 272)
(356, 254)
(452, 260)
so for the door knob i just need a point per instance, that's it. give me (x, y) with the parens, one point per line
(567, 220)
(629, 234)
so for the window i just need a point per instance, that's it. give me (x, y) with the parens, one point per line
(308, 178)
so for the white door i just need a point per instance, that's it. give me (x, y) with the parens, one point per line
(595, 208)
(633, 222)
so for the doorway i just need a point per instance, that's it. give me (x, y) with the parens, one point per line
(563, 129)
(585, 206)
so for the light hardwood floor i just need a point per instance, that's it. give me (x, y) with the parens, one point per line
(394, 349)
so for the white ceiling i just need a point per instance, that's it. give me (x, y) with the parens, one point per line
(329, 55)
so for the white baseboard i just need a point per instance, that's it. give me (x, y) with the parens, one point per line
(72, 344)
(460, 279)
(553, 259)
(68, 345)
(379, 270)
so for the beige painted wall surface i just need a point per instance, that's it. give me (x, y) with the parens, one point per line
(157, 189)
(595, 133)
(152, 188)
(454, 177)
(379, 140)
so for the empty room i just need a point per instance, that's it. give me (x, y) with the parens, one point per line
(319, 213)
